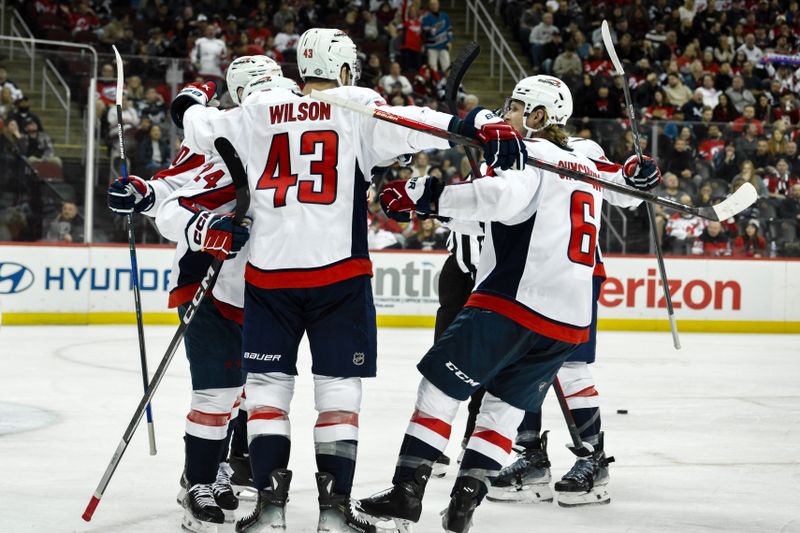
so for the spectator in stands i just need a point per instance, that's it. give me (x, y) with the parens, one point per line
(746, 145)
(710, 93)
(705, 196)
(747, 172)
(6, 102)
(681, 160)
(394, 80)
(693, 109)
(152, 107)
(682, 229)
(645, 94)
(429, 236)
(779, 180)
(208, 54)
(283, 15)
(411, 41)
(6, 83)
(83, 18)
(724, 111)
(106, 89)
(726, 164)
(789, 208)
(23, 114)
(421, 165)
(723, 52)
(438, 36)
(713, 241)
(791, 156)
(154, 151)
(677, 93)
(762, 159)
(751, 243)
(134, 89)
(752, 52)
(569, 67)
(37, 145)
(739, 95)
(371, 72)
(787, 110)
(424, 82)
(65, 226)
(379, 238)
(286, 41)
(541, 35)
(763, 109)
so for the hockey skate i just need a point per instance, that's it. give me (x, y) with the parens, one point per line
(526, 480)
(457, 518)
(402, 503)
(201, 513)
(269, 513)
(337, 512)
(223, 492)
(587, 481)
(242, 478)
(440, 466)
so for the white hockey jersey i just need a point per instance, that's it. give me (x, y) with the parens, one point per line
(539, 253)
(309, 166)
(206, 185)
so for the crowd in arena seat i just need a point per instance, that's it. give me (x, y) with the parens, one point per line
(715, 85)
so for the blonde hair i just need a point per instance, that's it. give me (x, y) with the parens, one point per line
(553, 133)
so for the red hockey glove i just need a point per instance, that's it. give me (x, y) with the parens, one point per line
(502, 144)
(643, 176)
(417, 194)
(216, 235)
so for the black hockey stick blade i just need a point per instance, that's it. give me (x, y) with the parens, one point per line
(238, 174)
(458, 69)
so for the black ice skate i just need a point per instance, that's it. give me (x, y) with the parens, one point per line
(402, 503)
(337, 512)
(201, 513)
(223, 492)
(587, 481)
(526, 480)
(457, 518)
(269, 513)
(440, 466)
(242, 478)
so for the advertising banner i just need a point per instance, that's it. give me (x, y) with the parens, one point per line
(77, 284)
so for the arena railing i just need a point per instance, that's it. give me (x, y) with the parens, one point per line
(63, 97)
(499, 51)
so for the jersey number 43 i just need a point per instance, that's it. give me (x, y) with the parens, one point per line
(278, 173)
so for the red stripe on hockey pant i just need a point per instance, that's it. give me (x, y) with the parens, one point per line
(528, 319)
(208, 419)
(333, 418)
(588, 391)
(307, 278)
(495, 438)
(266, 413)
(434, 424)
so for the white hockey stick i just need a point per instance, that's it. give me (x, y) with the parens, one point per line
(733, 204)
(662, 270)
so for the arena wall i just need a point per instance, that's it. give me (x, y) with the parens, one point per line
(80, 284)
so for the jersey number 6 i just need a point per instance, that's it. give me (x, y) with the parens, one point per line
(278, 174)
(583, 232)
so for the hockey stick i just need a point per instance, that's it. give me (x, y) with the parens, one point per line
(239, 176)
(743, 198)
(137, 297)
(612, 53)
(457, 72)
(579, 448)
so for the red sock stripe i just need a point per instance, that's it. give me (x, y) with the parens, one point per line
(332, 418)
(208, 419)
(495, 438)
(266, 413)
(434, 424)
(588, 391)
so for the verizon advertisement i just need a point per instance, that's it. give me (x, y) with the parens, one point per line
(42, 284)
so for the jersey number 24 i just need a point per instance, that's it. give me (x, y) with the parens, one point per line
(278, 173)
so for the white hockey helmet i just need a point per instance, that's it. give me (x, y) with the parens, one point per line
(548, 92)
(265, 83)
(245, 68)
(322, 52)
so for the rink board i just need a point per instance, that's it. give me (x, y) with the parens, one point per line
(79, 284)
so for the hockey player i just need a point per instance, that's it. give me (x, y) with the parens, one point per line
(527, 479)
(309, 267)
(530, 309)
(188, 201)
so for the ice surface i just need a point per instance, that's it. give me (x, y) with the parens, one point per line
(711, 441)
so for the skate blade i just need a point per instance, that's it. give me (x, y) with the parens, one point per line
(596, 496)
(389, 525)
(245, 493)
(230, 515)
(527, 494)
(190, 523)
(179, 497)
(439, 470)
(443, 513)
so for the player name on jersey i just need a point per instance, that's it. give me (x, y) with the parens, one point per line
(305, 111)
(580, 167)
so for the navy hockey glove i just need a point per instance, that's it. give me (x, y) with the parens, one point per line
(136, 196)
(643, 176)
(192, 94)
(417, 194)
(216, 235)
(502, 144)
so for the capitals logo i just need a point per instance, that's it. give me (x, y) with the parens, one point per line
(14, 278)
(551, 81)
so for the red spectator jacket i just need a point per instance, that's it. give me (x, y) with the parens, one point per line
(780, 184)
(749, 248)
